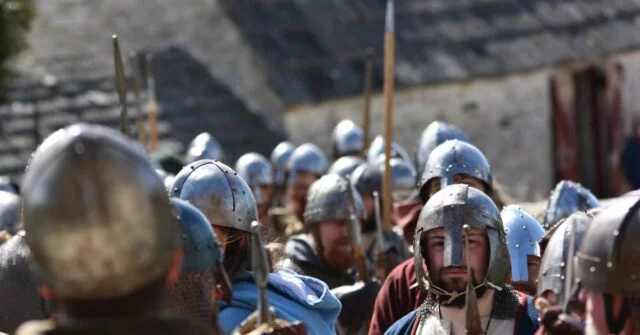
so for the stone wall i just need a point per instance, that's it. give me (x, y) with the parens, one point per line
(508, 119)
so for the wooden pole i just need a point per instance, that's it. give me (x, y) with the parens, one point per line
(152, 106)
(366, 119)
(389, 70)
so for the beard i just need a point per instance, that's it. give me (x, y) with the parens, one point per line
(335, 256)
(456, 285)
(369, 225)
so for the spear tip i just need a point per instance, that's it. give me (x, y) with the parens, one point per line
(389, 20)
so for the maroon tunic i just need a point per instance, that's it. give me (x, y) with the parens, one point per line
(398, 297)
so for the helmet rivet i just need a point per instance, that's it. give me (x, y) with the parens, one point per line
(615, 233)
(561, 277)
(177, 189)
(609, 265)
(562, 264)
(544, 273)
(192, 167)
(226, 171)
(235, 173)
(592, 269)
(524, 227)
(517, 245)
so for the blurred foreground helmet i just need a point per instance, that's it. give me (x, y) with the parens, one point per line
(218, 191)
(567, 198)
(97, 216)
(10, 208)
(346, 139)
(436, 133)
(204, 146)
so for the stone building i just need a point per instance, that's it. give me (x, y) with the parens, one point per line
(254, 71)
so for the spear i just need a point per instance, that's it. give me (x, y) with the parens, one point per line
(472, 314)
(366, 119)
(121, 85)
(135, 70)
(389, 70)
(152, 106)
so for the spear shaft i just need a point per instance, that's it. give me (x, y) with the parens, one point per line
(389, 70)
(121, 85)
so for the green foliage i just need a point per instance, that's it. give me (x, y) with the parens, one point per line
(16, 17)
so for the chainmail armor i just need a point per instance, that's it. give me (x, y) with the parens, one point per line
(192, 297)
(505, 305)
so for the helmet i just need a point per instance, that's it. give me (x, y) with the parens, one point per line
(10, 207)
(553, 269)
(607, 258)
(436, 133)
(377, 148)
(568, 197)
(367, 178)
(279, 159)
(191, 295)
(523, 234)
(329, 198)
(403, 178)
(455, 157)
(451, 208)
(256, 170)
(308, 157)
(97, 215)
(204, 146)
(345, 165)
(347, 139)
(218, 191)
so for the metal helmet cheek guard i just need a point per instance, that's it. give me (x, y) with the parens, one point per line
(523, 236)
(256, 170)
(436, 133)
(204, 146)
(329, 198)
(455, 157)
(347, 139)
(567, 198)
(452, 208)
(557, 256)
(218, 191)
(279, 159)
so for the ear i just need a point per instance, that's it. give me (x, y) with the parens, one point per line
(46, 292)
(175, 267)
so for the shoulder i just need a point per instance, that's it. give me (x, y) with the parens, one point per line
(527, 318)
(35, 327)
(404, 326)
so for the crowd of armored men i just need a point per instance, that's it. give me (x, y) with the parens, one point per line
(102, 239)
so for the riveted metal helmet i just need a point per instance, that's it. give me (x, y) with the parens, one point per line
(607, 260)
(345, 165)
(279, 159)
(567, 198)
(436, 133)
(557, 255)
(256, 170)
(218, 191)
(347, 139)
(377, 148)
(10, 208)
(309, 158)
(204, 146)
(329, 198)
(455, 157)
(367, 178)
(451, 208)
(524, 233)
(86, 188)
(403, 178)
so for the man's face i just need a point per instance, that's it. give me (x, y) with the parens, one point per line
(297, 192)
(594, 303)
(337, 251)
(453, 278)
(434, 185)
